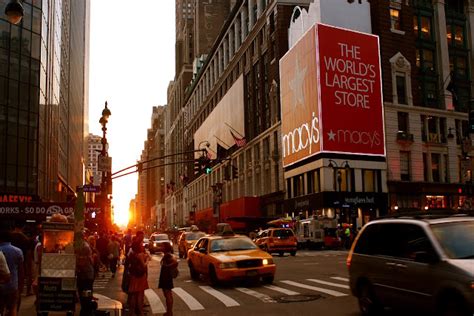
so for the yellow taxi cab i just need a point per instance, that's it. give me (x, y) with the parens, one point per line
(186, 241)
(228, 257)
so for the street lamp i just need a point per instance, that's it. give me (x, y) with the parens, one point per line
(106, 176)
(334, 165)
(14, 11)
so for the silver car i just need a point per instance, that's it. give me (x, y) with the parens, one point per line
(423, 264)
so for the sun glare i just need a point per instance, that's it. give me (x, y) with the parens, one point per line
(121, 218)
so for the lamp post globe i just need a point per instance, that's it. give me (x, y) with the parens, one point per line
(14, 11)
(106, 112)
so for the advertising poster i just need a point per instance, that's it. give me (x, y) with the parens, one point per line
(351, 96)
(299, 96)
(331, 98)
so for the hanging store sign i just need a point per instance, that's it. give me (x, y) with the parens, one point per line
(331, 98)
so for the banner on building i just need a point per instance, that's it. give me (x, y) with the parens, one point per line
(331, 98)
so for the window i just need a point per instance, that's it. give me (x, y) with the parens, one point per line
(298, 185)
(395, 19)
(435, 167)
(403, 122)
(401, 89)
(433, 129)
(369, 180)
(313, 181)
(405, 165)
(425, 167)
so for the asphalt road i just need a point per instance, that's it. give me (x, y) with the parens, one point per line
(312, 282)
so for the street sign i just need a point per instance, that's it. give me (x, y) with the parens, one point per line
(105, 164)
(91, 188)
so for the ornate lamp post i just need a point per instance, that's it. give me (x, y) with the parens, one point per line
(105, 166)
(334, 165)
(14, 11)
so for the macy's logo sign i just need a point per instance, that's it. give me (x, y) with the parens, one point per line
(301, 137)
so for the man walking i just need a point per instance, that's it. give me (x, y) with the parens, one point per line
(11, 291)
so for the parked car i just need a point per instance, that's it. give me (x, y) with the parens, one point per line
(278, 240)
(422, 264)
(230, 257)
(157, 242)
(186, 241)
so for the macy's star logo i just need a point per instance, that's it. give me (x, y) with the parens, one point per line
(296, 84)
(332, 135)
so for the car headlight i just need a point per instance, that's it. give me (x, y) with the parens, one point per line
(228, 265)
(267, 261)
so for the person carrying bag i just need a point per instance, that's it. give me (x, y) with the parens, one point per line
(169, 271)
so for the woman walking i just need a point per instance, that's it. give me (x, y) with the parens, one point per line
(137, 261)
(169, 264)
(114, 254)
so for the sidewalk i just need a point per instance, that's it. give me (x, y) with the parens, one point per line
(27, 307)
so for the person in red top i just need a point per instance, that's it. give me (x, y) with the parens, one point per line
(138, 270)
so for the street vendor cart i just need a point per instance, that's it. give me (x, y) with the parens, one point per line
(57, 276)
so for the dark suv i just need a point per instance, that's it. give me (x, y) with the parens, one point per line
(414, 263)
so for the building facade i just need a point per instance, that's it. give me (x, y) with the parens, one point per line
(232, 109)
(427, 54)
(43, 100)
(151, 177)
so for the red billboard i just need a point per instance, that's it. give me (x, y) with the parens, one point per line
(331, 98)
(350, 91)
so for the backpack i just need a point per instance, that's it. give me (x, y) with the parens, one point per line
(137, 268)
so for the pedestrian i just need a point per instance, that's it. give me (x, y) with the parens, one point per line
(102, 245)
(95, 254)
(127, 240)
(85, 279)
(169, 266)
(114, 254)
(11, 291)
(4, 270)
(20, 240)
(137, 261)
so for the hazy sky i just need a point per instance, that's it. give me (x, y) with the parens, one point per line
(131, 64)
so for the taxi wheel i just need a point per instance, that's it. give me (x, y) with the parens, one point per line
(213, 276)
(193, 272)
(268, 279)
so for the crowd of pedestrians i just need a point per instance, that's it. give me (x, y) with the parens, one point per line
(20, 258)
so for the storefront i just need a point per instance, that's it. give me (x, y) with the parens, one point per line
(348, 207)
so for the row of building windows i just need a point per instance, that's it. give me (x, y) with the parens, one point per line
(426, 47)
(433, 128)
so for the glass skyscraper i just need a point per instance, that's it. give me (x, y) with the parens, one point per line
(43, 99)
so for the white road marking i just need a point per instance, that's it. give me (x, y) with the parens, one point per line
(340, 279)
(281, 290)
(156, 305)
(314, 288)
(192, 303)
(329, 283)
(106, 303)
(228, 301)
(264, 298)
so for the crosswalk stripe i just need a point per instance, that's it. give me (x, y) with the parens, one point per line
(156, 305)
(281, 290)
(314, 288)
(229, 302)
(264, 298)
(340, 279)
(192, 303)
(329, 283)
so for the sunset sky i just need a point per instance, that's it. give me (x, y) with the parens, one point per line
(131, 65)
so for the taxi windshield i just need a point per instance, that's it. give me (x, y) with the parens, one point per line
(229, 244)
(456, 238)
(194, 236)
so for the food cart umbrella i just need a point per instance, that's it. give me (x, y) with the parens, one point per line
(280, 221)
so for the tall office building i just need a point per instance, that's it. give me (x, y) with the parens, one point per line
(43, 99)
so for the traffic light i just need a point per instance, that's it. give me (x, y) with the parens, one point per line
(139, 166)
(235, 172)
(471, 122)
(199, 165)
(227, 173)
(207, 166)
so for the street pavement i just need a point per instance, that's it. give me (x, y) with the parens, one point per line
(314, 282)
